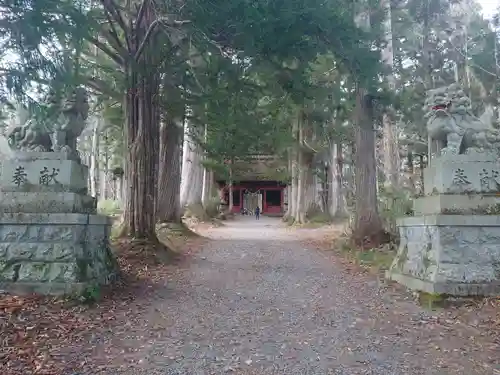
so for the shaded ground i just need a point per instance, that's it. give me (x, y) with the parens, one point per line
(256, 300)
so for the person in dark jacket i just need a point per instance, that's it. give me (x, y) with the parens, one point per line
(257, 212)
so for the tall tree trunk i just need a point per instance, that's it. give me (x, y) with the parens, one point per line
(300, 207)
(392, 162)
(368, 226)
(142, 124)
(192, 172)
(289, 201)
(292, 200)
(94, 158)
(336, 199)
(119, 189)
(169, 172)
(230, 187)
(207, 180)
(367, 222)
(311, 196)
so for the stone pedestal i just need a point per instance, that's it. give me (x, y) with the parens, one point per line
(51, 240)
(452, 245)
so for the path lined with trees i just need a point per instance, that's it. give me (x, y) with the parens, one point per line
(185, 90)
(209, 81)
(257, 300)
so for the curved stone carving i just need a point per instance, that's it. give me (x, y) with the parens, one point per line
(452, 127)
(59, 131)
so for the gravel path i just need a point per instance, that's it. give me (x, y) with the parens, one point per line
(255, 301)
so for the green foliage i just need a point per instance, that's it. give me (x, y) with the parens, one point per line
(394, 204)
(319, 218)
(432, 301)
(91, 294)
(212, 207)
(109, 207)
(377, 260)
(202, 213)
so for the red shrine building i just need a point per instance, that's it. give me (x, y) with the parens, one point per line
(268, 195)
(259, 184)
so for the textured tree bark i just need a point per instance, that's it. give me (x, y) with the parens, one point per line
(119, 189)
(169, 172)
(192, 171)
(94, 158)
(391, 162)
(289, 203)
(336, 198)
(311, 192)
(207, 186)
(206, 193)
(142, 126)
(230, 187)
(368, 229)
(300, 207)
(295, 175)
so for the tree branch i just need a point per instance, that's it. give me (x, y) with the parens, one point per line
(112, 55)
(140, 12)
(150, 31)
(113, 36)
(113, 10)
(101, 87)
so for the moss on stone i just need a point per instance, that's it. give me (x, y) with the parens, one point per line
(432, 300)
(488, 210)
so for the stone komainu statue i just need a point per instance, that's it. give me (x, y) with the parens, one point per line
(60, 130)
(452, 128)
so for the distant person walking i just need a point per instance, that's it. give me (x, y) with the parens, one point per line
(257, 213)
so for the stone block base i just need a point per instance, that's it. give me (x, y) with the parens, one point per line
(54, 253)
(449, 254)
(41, 202)
(455, 204)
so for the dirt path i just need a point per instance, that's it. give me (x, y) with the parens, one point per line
(255, 301)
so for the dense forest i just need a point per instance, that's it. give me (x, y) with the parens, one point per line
(182, 90)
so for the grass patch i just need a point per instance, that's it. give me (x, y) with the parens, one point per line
(109, 207)
(175, 230)
(312, 224)
(321, 218)
(377, 260)
(432, 301)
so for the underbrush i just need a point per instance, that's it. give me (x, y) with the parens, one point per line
(210, 212)
(315, 220)
(376, 260)
(109, 207)
(35, 330)
(318, 219)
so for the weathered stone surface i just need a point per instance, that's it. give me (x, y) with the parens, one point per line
(452, 127)
(449, 254)
(54, 253)
(48, 175)
(53, 202)
(460, 174)
(455, 204)
(51, 241)
(41, 155)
